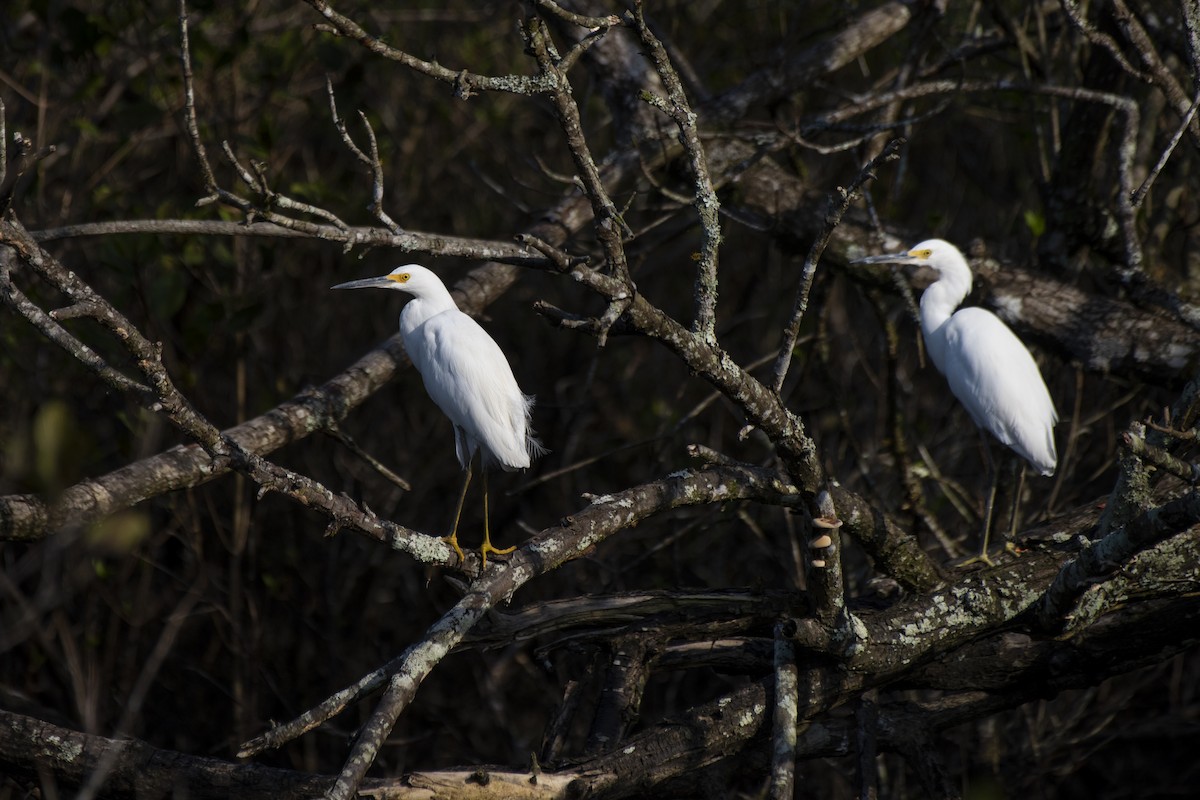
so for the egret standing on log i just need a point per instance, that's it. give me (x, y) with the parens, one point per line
(989, 370)
(468, 377)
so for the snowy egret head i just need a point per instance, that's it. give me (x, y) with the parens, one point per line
(411, 278)
(935, 254)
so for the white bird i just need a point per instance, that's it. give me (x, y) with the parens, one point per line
(988, 368)
(468, 377)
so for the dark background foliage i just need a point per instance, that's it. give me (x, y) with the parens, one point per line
(277, 615)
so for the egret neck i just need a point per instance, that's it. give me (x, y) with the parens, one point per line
(435, 299)
(939, 301)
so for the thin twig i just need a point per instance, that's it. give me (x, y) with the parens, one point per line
(609, 224)
(163, 397)
(1081, 23)
(189, 104)
(558, 258)
(1146, 47)
(353, 446)
(371, 161)
(465, 83)
(1126, 145)
(837, 204)
(49, 327)
(707, 205)
(141, 687)
(255, 176)
(582, 20)
(914, 494)
(3, 143)
(1184, 123)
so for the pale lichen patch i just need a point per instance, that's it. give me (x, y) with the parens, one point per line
(62, 749)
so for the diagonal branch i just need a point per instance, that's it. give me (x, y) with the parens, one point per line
(465, 83)
(548, 550)
(707, 205)
(894, 551)
(163, 397)
(608, 222)
(1108, 556)
(371, 161)
(435, 244)
(48, 326)
(838, 203)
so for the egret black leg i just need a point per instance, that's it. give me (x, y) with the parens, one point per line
(989, 506)
(993, 478)
(452, 539)
(1014, 517)
(487, 538)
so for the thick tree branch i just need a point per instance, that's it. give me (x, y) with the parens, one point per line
(434, 244)
(894, 551)
(1106, 335)
(866, 32)
(547, 551)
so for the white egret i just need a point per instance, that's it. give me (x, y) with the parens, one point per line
(988, 368)
(468, 377)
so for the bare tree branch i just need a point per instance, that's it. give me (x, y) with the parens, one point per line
(863, 499)
(435, 244)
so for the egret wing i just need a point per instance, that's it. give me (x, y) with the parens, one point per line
(468, 376)
(996, 379)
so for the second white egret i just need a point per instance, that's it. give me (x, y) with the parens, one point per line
(468, 377)
(988, 368)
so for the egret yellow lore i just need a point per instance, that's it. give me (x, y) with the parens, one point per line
(988, 368)
(468, 377)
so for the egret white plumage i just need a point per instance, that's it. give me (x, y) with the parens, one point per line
(468, 377)
(988, 368)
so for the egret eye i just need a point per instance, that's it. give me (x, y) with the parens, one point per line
(926, 253)
(401, 278)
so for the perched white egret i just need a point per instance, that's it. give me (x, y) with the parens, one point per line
(466, 374)
(989, 370)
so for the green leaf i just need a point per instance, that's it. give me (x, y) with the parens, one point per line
(53, 431)
(1035, 222)
(120, 533)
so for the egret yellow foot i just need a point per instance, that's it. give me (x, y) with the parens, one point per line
(488, 548)
(969, 561)
(983, 558)
(452, 540)
(487, 533)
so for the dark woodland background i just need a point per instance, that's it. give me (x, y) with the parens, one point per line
(235, 611)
